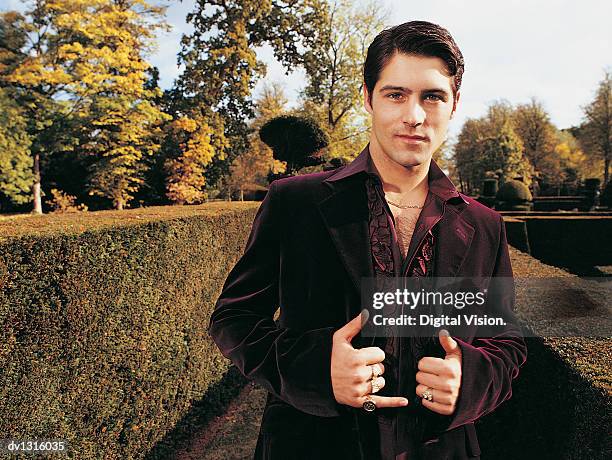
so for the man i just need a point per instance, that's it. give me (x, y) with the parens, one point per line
(391, 212)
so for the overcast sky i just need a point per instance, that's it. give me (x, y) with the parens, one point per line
(555, 50)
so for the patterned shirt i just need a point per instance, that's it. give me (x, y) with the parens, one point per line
(388, 261)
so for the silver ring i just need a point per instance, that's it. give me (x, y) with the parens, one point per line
(376, 386)
(427, 394)
(376, 371)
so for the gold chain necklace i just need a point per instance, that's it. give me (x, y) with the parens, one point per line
(406, 206)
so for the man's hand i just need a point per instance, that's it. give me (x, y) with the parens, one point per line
(351, 369)
(442, 376)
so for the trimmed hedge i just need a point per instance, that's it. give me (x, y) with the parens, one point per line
(578, 239)
(516, 234)
(103, 338)
(561, 407)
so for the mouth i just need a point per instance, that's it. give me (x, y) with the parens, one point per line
(412, 138)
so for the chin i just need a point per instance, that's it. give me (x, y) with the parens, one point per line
(408, 159)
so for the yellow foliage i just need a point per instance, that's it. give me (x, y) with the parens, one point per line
(572, 158)
(252, 167)
(104, 53)
(185, 183)
(63, 202)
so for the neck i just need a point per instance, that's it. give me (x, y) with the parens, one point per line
(408, 181)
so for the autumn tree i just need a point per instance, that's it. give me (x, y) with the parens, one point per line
(193, 144)
(502, 152)
(466, 155)
(490, 147)
(532, 123)
(250, 169)
(271, 102)
(88, 56)
(26, 77)
(16, 176)
(574, 164)
(596, 130)
(572, 155)
(221, 65)
(334, 67)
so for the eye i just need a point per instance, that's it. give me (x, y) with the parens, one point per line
(395, 96)
(434, 98)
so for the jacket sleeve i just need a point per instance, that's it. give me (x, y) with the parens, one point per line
(293, 365)
(489, 364)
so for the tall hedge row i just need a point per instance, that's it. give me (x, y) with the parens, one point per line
(103, 337)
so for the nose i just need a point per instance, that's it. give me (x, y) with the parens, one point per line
(413, 114)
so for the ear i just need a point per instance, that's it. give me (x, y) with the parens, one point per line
(455, 102)
(366, 100)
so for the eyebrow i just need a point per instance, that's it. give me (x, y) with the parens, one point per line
(406, 90)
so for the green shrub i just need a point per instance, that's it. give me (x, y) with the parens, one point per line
(514, 192)
(103, 338)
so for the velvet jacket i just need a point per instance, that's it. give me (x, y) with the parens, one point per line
(306, 254)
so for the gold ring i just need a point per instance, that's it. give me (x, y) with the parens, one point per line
(427, 394)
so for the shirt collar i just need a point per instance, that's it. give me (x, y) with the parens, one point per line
(439, 183)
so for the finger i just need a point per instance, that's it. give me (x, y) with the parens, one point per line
(365, 373)
(380, 381)
(443, 409)
(448, 343)
(431, 380)
(447, 366)
(381, 368)
(352, 328)
(371, 355)
(438, 395)
(432, 365)
(388, 401)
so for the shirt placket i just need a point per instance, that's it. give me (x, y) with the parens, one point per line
(420, 264)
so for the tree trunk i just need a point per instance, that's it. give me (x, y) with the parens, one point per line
(241, 195)
(36, 186)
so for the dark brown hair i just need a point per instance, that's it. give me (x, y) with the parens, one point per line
(415, 37)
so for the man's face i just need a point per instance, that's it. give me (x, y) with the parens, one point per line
(411, 106)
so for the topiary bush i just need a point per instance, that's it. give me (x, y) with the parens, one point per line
(294, 140)
(490, 187)
(513, 196)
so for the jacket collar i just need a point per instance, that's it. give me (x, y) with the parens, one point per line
(439, 183)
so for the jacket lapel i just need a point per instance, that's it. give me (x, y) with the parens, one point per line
(345, 214)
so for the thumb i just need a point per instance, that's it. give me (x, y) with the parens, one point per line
(449, 344)
(352, 328)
